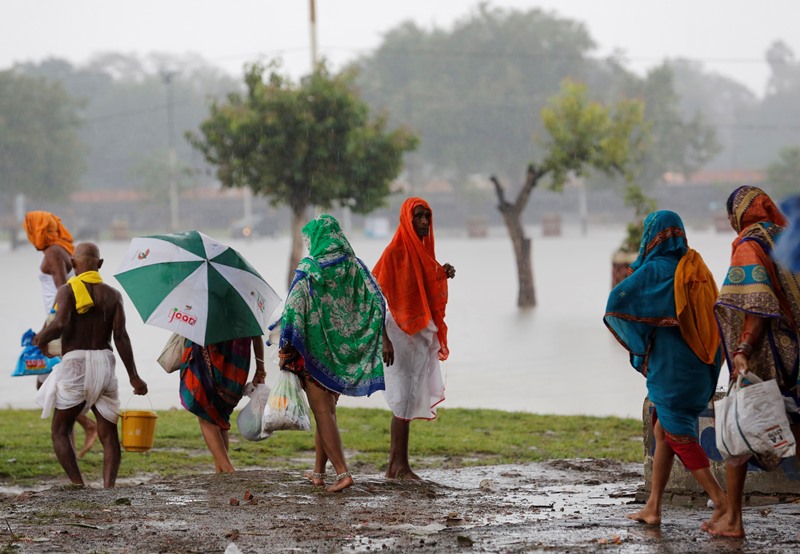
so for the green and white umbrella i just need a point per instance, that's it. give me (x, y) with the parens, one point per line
(192, 285)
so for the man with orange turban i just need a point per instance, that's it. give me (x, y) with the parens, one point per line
(415, 287)
(46, 232)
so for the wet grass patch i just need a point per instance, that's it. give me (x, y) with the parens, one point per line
(457, 438)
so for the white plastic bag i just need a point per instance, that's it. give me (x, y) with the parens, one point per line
(751, 421)
(287, 408)
(249, 419)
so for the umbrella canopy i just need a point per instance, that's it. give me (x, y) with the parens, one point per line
(192, 285)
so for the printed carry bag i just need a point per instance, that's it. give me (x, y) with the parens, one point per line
(751, 421)
(251, 417)
(32, 361)
(287, 408)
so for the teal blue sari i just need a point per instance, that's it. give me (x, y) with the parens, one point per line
(641, 314)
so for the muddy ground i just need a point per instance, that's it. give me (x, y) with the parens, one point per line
(557, 506)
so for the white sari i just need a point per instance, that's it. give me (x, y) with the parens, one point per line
(414, 384)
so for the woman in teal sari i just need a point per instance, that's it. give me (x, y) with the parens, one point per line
(332, 336)
(663, 314)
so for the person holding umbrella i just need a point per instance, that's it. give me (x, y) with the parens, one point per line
(333, 337)
(208, 293)
(212, 384)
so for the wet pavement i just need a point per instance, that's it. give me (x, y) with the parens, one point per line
(556, 506)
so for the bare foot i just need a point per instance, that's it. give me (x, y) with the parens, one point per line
(89, 439)
(401, 473)
(646, 516)
(314, 477)
(725, 528)
(341, 484)
(713, 520)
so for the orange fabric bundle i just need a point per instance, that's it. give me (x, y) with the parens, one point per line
(45, 229)
(695, 294)
(414, 283)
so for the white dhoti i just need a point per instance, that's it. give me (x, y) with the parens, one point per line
(82, 376)
(414, 384)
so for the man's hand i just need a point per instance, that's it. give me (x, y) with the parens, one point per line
(388, 350)
(139, 386)
(449, 270)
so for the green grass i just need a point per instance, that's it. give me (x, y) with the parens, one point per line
(457, 438)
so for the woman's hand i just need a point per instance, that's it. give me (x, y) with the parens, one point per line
(449, 270)
(286, 355)
(740, 364)
(388, 349)
(260, 376)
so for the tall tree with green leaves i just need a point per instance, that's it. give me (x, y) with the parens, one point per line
(41, 154)
(473, 91)
(310, 143)
(581, 135)
(677, 144)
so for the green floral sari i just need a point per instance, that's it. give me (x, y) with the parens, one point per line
(334, 314)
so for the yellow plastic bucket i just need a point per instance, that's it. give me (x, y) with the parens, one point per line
(138, 430)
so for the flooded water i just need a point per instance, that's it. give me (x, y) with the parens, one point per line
(555, 359)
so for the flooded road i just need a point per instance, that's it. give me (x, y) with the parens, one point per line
(556, 359)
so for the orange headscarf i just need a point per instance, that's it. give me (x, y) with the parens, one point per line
(695, 294)
(45, 229)
(414, 283)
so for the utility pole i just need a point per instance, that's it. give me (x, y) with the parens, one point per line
(313, 31)
(174, 219)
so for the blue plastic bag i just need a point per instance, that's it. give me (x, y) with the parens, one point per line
(32, 361)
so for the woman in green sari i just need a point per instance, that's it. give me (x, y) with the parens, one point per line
(332, 336)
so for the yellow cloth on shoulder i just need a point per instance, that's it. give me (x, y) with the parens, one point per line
(695, 294)
(83, 300)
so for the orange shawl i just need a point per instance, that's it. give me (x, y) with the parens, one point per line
(45, 229)
(695, 294)
(414, 283)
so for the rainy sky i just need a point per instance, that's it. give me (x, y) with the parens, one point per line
(728, 36)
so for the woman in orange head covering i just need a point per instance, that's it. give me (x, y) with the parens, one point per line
(45, 229)
(415, 287)
(47, 233)
(758, 312)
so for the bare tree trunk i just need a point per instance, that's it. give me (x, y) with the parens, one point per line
(526, 297)
(512, 213)
(299, 219)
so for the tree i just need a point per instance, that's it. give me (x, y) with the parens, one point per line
(583, 135)
(473, 91)
(677, 144)
(784, 173)
(303, 144)
(41, 154)
(125, 112)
